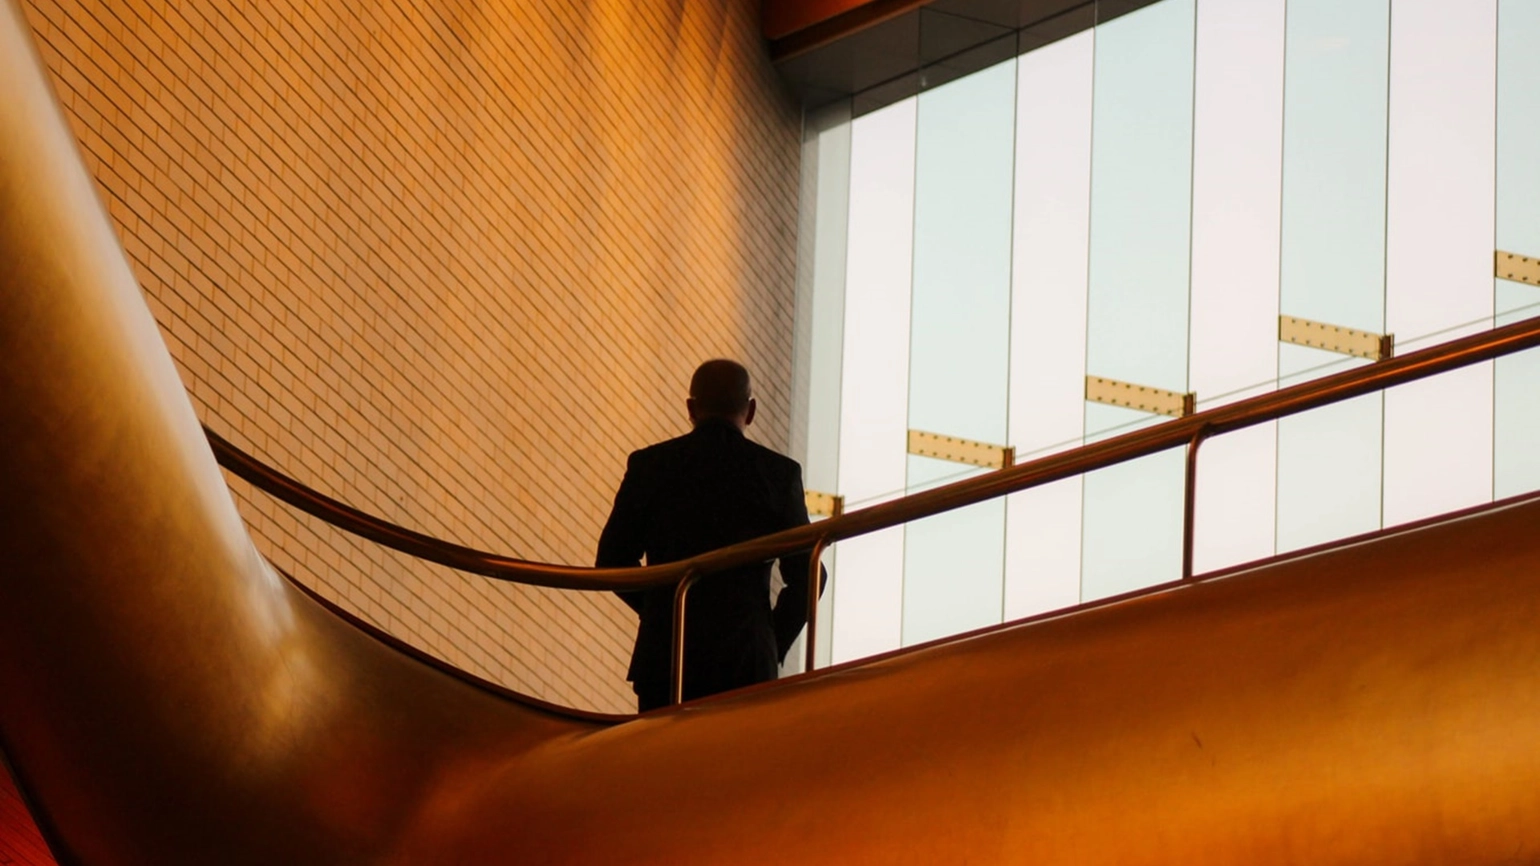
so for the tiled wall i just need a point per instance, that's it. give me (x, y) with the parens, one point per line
(447, 261)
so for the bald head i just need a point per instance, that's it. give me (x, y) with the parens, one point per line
(720, 389)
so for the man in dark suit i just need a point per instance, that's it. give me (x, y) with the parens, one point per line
(698, 492)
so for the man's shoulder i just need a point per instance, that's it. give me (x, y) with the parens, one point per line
(658, 451)
(681, 446)
(771, 457)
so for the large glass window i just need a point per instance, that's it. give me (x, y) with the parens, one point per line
(1171, 198)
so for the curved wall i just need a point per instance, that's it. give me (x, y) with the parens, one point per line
(448, 262)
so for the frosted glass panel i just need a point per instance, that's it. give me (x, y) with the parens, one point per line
(1237, 171)
(952, 563)
(1329, 473)
(1516, 393)
(1043, 548)
(1334, 125)
(1441, 165)
(1143, 497)
(1236, 497)
(1438, 445)
(1336, 103)
(1518, 134)
(1439, 236)
(820, 314)
(821, 294)
(1516, 458)
(868, 583)
(1048, 310)
(1141, 215)
(962, 256)
(959, 338)
(1141, 196)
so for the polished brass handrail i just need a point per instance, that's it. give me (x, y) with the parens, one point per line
(426, 547)
(1187, 432)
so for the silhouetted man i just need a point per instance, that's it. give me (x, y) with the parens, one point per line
(705, 490)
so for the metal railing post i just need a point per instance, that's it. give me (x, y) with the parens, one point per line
(676, 668)
(814, 572)
(1190, 501)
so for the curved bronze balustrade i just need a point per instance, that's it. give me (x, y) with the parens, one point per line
(426, 547)
(1303, 397)
(1189, 431)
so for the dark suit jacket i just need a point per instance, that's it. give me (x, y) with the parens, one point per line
(705, 490)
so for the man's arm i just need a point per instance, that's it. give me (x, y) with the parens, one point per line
(790, 613)
(621, 544)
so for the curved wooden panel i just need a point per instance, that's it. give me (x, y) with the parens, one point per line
(169, 699)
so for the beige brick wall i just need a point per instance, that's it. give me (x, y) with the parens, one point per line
(447, 261)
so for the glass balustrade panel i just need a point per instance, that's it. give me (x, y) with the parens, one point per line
(1516, 459)
(1137, 319)
(1332, 259)
(1143, 496)
(1236, 188)
(822, 231)
(1051, 245)
(1439, 236)
(960, 339)
(874, 422)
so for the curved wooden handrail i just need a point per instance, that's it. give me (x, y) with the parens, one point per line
(1177, 433)
(426, 547)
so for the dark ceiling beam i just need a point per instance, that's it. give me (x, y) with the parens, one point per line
(880, 51)
(795, 27)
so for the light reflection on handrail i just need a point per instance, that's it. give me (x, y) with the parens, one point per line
(1178, 432)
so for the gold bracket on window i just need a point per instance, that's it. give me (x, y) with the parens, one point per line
(957, 450)
(824, 504)
(1145, 398)
(1520, 269)
(1335, 338)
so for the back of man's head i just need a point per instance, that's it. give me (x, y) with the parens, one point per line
(720, 389)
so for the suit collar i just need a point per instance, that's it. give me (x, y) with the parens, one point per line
(717, 428)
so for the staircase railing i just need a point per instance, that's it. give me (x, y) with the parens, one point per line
(1189, 432)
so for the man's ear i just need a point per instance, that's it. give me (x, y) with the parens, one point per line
(748, 417)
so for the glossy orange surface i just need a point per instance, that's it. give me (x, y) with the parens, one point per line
(170, 699)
